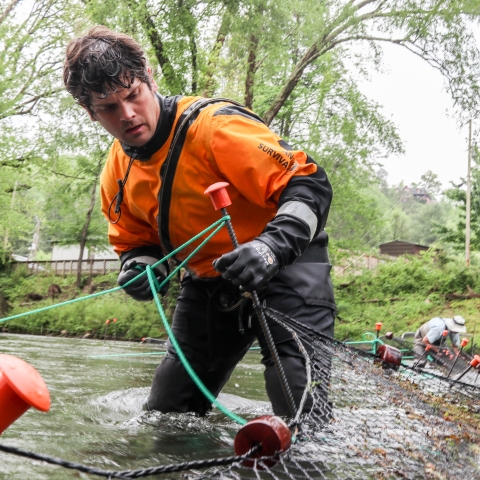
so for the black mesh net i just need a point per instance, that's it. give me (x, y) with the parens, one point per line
(369, 420)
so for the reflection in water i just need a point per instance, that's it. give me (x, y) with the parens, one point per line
(97, 418)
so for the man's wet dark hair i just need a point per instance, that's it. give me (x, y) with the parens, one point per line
(102, 62)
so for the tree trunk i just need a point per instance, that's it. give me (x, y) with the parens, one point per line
(251, 69)
(230, 10)
(83, 238)
(158, 46)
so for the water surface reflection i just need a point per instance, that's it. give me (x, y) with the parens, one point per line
(96, 416)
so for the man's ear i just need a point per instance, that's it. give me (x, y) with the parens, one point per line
(152, 81)
(90, 114)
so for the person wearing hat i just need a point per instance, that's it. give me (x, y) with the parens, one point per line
(430, 333)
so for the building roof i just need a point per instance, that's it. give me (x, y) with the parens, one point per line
(402, 242)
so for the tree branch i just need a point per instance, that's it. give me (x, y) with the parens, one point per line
(8, 9)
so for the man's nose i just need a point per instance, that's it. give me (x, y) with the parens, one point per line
(127, 112)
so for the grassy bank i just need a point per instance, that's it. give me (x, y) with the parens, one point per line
(405, 293)
(402, 294)
(134, 319)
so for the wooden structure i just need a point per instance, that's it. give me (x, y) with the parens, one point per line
(398, 248)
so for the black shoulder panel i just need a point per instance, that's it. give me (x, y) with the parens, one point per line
(169, 167)
(285, 145)
(238, 110)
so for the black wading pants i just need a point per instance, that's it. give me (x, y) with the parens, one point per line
(211, 340)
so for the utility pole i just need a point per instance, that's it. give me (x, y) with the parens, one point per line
(469, 187)
(36, 240)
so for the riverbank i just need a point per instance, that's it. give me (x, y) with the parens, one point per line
(114, 314)
(402, 294)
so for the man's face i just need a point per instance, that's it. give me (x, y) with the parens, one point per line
(130, 114)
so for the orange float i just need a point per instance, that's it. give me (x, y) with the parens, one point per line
(21, 387)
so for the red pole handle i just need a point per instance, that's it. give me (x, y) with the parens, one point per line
(219, 195)
(444, 333)
(464, 342)
(378, 326)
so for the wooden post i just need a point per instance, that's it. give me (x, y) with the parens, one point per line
(105, 266)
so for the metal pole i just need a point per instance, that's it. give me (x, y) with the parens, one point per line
(464, 342)
(266, 331)
(467, 213)
(427, 348)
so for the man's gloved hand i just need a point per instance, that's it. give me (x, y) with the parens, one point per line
(250, 265)
(140, 288)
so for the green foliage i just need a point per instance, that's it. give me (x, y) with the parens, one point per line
(291, 61)
(405, 293)
(401, 216)
(134, 319)
(455, 234)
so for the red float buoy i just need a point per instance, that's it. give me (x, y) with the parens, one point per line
(219, 195)
(390, 357)
(271, 433)
(21, 387)
(476, 361)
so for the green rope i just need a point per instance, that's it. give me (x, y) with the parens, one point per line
(219, 224)
(155, 287)
(184, 360)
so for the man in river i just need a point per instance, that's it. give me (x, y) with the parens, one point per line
(431, 334)
(152, 189)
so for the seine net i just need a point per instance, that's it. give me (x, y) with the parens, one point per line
(369, 420)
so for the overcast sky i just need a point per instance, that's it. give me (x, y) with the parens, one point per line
(414, 97)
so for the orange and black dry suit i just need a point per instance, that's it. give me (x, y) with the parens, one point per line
(163, 205)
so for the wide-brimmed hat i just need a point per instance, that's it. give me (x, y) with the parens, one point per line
(456, 324)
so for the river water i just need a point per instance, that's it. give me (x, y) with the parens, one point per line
(381, 427)
(96, 417)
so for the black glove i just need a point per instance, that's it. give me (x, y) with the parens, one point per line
(140, 289)
(250, 265)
